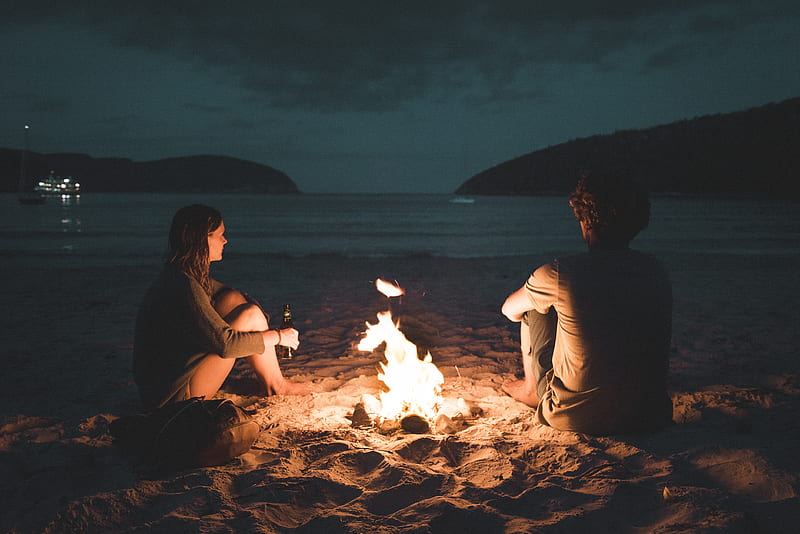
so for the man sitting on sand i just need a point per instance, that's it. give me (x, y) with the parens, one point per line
(596, 326)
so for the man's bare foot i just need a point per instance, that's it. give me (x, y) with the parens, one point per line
(287, 387)
(519, 390)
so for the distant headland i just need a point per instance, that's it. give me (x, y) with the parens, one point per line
(752, 153)
(191, 174)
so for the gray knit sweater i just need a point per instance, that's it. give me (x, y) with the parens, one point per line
(175, 328)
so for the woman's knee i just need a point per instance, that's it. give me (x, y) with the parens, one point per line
(227, 300)
(248, 317)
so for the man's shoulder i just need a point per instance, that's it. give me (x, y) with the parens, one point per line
(571, 260)
(611, 256)
(594, 263)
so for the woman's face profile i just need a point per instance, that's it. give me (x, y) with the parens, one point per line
(216, 243)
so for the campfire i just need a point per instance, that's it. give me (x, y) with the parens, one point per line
(413, 399)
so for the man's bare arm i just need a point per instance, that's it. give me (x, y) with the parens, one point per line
(516, 305)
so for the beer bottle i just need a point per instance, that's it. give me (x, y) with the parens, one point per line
(283, 352)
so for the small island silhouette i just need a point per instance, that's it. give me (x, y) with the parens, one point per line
(190, 174)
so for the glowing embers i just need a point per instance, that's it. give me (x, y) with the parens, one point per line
(414, 385)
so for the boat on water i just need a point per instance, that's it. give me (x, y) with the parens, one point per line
(462, 200)
(58, 186)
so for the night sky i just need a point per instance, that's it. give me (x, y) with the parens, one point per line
(400, 96)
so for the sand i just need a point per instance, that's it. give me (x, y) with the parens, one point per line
(729, 463)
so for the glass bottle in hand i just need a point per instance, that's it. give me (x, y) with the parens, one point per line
(283, 352)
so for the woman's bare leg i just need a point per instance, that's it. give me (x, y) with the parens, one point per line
(209, 375)
(247, 317)
(212, 371)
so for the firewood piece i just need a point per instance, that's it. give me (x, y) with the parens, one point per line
(415, 424)
(444, 425)
(360, 418)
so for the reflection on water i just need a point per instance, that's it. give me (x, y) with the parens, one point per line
(53, 226)
(70, 224)
(70, 220)
(67, 200)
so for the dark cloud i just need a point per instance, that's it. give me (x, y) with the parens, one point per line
(119, 123)
(368, 56)
(49, 105)
(668, 57)
(36, 102)
(241, 124)
(204, 108)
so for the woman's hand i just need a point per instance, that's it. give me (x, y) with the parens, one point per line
(288, 337)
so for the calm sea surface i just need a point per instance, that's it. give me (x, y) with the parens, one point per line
(133, 227)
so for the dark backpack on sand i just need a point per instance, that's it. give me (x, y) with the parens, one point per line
(190, 433)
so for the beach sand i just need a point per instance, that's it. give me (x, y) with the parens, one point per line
(729, 463)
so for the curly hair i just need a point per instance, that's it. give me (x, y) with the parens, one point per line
(615, 208)
(188, 241)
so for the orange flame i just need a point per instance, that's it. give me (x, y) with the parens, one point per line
(414, 385)
(389, 289)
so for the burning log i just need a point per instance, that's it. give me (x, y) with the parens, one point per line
(415, 424)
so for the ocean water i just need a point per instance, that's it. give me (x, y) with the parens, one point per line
(132, 228)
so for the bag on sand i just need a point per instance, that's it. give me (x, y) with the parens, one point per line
(190, 433)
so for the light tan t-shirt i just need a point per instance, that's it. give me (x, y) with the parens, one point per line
(612, 341)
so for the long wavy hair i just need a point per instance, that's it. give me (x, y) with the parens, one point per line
(188, 241)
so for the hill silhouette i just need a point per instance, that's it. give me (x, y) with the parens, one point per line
(195, 174)
(751, 153)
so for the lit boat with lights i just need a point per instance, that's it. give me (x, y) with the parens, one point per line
(55, 185)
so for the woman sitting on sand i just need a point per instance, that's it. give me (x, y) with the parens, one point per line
(190, 328)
